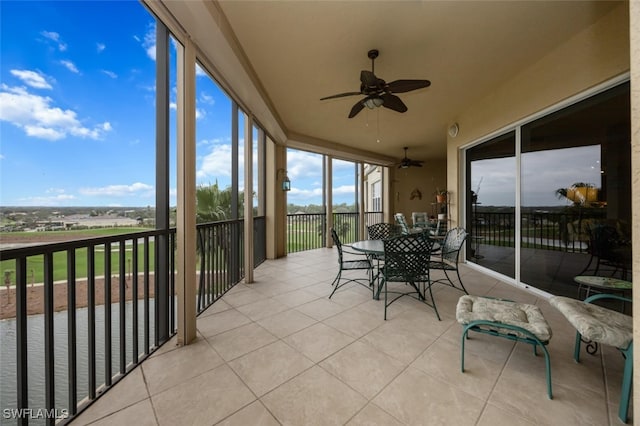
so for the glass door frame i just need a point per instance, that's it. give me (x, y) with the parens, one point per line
(517, 128)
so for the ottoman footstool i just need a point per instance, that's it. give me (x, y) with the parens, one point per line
(520, 322)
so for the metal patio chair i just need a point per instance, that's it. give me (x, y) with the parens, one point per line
(382, 231)
(448, 257)
(355, 262)
(406, 260)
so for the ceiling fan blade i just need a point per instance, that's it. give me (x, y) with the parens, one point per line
(393, 102)
(341, 95)
(356, 109)
(416, 163)
(401, 86)
(368, 78)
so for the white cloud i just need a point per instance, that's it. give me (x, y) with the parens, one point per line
(55, 37)
(206, 99)
(200, 113)
(216, 163)
(110, 73)
(301, 164)
(2, 157)
(149, 41)
(135, 189)
(344, 190)
(32, 78)
(173, 105)
(58, 199)
(200, 72)
(100, 47)
(38, 118)
(70, 66)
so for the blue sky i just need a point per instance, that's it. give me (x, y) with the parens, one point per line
(77, 120)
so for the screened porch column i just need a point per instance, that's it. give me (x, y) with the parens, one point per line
(276, 199)
(387, 197)
(328, 202)
(362, 232)
(186, 197)
(634, 34)
(248, 199)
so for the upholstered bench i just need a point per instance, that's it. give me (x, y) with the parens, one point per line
(520, 322)
(596, 324)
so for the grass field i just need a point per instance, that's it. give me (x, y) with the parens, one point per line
(35, 264)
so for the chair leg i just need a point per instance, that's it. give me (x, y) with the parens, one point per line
(576, 350)
(465, 332)
(627, 379)
(385, 298)
(433, 301)
(547, 362)
(460, 281)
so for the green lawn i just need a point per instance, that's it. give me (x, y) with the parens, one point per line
(35, 264)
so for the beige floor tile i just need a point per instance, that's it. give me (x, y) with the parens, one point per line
(416, 398)
(239, 341)
(363, 368)
(402, 343)
(494, 416)
(314, 397)
(243, 297)
(254, 414)
(352, 296)
(526, 396)
(321, 309)
(372, 415)
(202, 400)
(179, 365)
(268, 367)
(355, 322)
(138, 414)
(221, 322)
(296, 298)
(128, 391)
(262, 309)
(286, 323)
(318, 341)
(442, 360)
(217, 307)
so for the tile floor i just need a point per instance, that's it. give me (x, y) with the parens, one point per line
(278, 351)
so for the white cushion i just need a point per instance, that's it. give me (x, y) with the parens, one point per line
(523, 315)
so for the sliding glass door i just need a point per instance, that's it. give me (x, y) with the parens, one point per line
(560, 186)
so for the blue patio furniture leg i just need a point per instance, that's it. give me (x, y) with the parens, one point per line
(465, 333)
(627, 379)
(547, 362)
(576, 350)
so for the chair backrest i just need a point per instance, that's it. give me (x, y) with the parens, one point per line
(406, 257)
(337, 243)
(604, 239)
(420, 219)
(452, 244)
(382, 231)
(402, 222)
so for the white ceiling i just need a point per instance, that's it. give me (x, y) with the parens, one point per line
(301, 51)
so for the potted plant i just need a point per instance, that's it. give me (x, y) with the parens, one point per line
(441, 195)
(579, 193)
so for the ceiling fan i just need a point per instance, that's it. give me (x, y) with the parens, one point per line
(406, 162)
(378, 93)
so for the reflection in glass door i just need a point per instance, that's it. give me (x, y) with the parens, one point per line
(491, 197)
(575, 184)
(574, 195)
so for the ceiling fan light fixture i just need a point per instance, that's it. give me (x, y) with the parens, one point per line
(372, 103)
